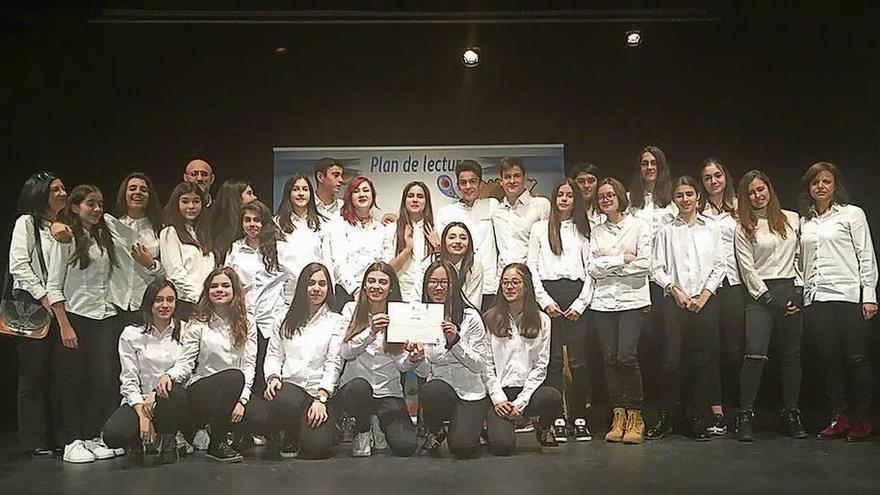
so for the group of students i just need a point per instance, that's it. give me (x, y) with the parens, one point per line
(217, 323)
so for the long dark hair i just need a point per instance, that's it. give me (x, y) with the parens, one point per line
(238, 315)
(285, 209)
(298, 313)
(268, 236)
(497, 318)
(662, 194)
(149, 298)
(153, 210)
(174, 219)
(453, 308)
(805, 199)
(361, 317)
(578, 216)
(467, 261)
(347, 210)
(99, 232)
(728, 197)
(403, 218)
(590, 169)
(777, 222)
(223, 228)
(33, 200)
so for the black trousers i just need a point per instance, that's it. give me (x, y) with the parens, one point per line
(761, 321)
(440, 403)
(288, 412)
(212, 399)
(546, 403)
(259, 377)
(573, 336)
(357, 399)
(731, 300)
(38, 412)
(88, 377)
(842, 341)
(618, 333)
(122, 430)
(696, 336)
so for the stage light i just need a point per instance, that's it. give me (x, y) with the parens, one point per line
(471, 56)
(281, 51)
(633, 38)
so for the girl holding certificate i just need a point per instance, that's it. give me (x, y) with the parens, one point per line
(455, 390)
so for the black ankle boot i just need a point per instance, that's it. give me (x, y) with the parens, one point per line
(663, 426)
(698, 430)
(791, 419)
(745, 426)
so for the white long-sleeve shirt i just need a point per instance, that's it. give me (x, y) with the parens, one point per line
(208, 349)
(513, 224)
(688, 256)
(354, 248)
(769, 256)
(518, 362)
(617, 285)
(144, 355)
(462, 366)
(366, 358)
(85, 292)
(838, 256)
(185, 265)
(571, 264)
(654, 216)
(309, 359)
(264, 290)
(24, 261)
(727, 226)
(332, 210)
(304, 246)
(478, 219)
(412, 273)
(472, 286)
(134, 277)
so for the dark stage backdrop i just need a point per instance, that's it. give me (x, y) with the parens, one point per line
(759, 88)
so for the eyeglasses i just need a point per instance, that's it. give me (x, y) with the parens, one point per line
(515, 282)
(608, 196)
(438, 283)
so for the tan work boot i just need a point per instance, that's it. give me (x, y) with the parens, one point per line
(635, 427)
(618, 426)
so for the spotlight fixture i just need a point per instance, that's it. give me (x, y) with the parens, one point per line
(281, 51)
(633, 38)
(471, 56)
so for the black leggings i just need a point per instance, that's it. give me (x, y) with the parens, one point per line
(842, 340)
(731, 300)
(212, 399)
(288, 412)
(37, 415)
(357, 399)
(619, 333)
(440, 403)
(122, 430)
(546, 403)
(573, 336)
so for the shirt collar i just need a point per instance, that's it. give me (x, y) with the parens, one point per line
(699, 219)
(523, 199)
(153, 329)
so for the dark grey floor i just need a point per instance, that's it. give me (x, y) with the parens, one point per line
(674, 465)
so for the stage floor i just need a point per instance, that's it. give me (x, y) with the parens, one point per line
(775, 464)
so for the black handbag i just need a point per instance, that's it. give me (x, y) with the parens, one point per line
(20, 314)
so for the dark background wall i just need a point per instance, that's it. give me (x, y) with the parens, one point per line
(777, 88)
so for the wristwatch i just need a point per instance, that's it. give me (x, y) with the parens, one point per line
(321, 398)
(243, 401)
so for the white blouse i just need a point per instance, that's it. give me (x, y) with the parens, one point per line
(264, 290)
(478, 219)
(145, 355)
(412, 273)
(463, 365)
(769, 256)
(838, 256)
(136, 277)
(617, 285)
(570, 264)
(654, 216)
(518, 362)
(513, 223)
(354, 248)
(727, 225)
(85, 292)
(185, 265)
(304, 246)
(472, 286)
(689, 256)
(24, 261)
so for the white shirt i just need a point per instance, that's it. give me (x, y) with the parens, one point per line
(769, 256)
(618, 286)
(304, 246)
(24, 261)
(185, 265)
(654, 216)
(571, 264)
(354, 248)
(513, 223)
(309, 359)
(264, 290)
(85, 292)
(518, 362)
(134, 277)
(208, 349)
(366, 358)
(689, 256)
(727, 225)
(462, 366)
(412, 273)
(595, 217)
(331, 210)
(838, 256)
(144, 356)
(478, 219)
(472, 287)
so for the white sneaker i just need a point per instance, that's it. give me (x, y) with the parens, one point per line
(260, 440)
(119, 452)
(100, 449)
(182, 444)
(77, 453)
(361, 446)
(379, 440)
(201, 440)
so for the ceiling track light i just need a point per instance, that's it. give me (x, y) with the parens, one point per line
(471, 56)
(633, 38)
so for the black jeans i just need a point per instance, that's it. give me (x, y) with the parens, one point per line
(37, 409)
(357, 399)
(212, 399)
(88, 377)
(546, 403)
(573, 336)
(842, 340)
(122, 430)
(761, 321)
(288, 412)
(696, 334)
(731, 300)
(619, 333)
(440, 403)
(259, 377)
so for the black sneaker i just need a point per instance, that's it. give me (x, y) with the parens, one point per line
(698, 430)
(546, 437)
(661, 428)
(745, 424)
(791, 424)
(289, 447)
(560, 430)
(223, 452)
(41, 452)
(484, 436)
(581, 432)
(345, 427)
(242, 442)
(433, 440)
(718, 428)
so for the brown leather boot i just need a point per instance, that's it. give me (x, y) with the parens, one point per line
(618, 426)
(635, 427)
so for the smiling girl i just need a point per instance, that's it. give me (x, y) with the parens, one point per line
(410, 241)
(456, 248)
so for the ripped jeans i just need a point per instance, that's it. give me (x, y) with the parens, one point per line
(761, 321)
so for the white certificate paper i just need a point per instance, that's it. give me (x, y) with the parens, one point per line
(415, 322)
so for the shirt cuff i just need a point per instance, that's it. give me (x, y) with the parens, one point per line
(869, 295)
